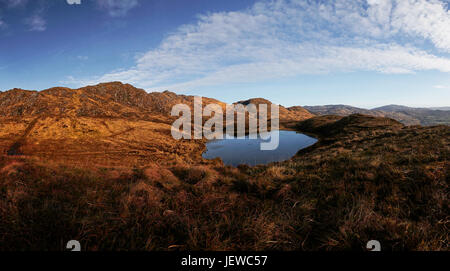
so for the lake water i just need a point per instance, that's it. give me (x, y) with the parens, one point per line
(236, 151)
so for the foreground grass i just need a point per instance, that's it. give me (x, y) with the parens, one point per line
(366, 179)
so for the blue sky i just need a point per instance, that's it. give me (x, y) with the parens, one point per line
(365, 53)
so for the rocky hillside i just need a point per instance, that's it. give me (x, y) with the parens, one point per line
(110, 100)
(104, 100)
(106, 124)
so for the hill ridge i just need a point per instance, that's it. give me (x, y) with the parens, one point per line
(113, 99)
(406, 115)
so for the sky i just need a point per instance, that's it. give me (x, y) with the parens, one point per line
(364, 53)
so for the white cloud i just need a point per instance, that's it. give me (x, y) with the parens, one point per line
(2, 24)
(428, 19)
(441, 87)
(36, 23)
(117, 8)
(276, 39)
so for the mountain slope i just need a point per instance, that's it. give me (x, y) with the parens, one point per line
(104, 100)
(108, 124)
(104, 125)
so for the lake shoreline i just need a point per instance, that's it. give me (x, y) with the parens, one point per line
(238, 150)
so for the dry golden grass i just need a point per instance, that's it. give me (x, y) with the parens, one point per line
(90, 142)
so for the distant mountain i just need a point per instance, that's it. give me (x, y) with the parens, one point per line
(445, 108)
(426, 116)
(346, 110)
(339, 110)
(404, 114)
(397, 108)
(392, 108)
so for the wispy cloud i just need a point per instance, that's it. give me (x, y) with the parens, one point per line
(9, 4)
(2, 24)
(14, 3)
(287, 38)
(441, 87)
(36, 23)
(117, 8)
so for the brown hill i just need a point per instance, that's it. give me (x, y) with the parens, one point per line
(105, 124)
(104, 100)
(110, 100)
(337, 125)
(287, 115)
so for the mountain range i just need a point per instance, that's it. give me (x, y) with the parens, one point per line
(114, 124)
(105, 124)
(404, 114)
(116, 99)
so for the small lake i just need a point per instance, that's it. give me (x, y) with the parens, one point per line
(242, 150)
